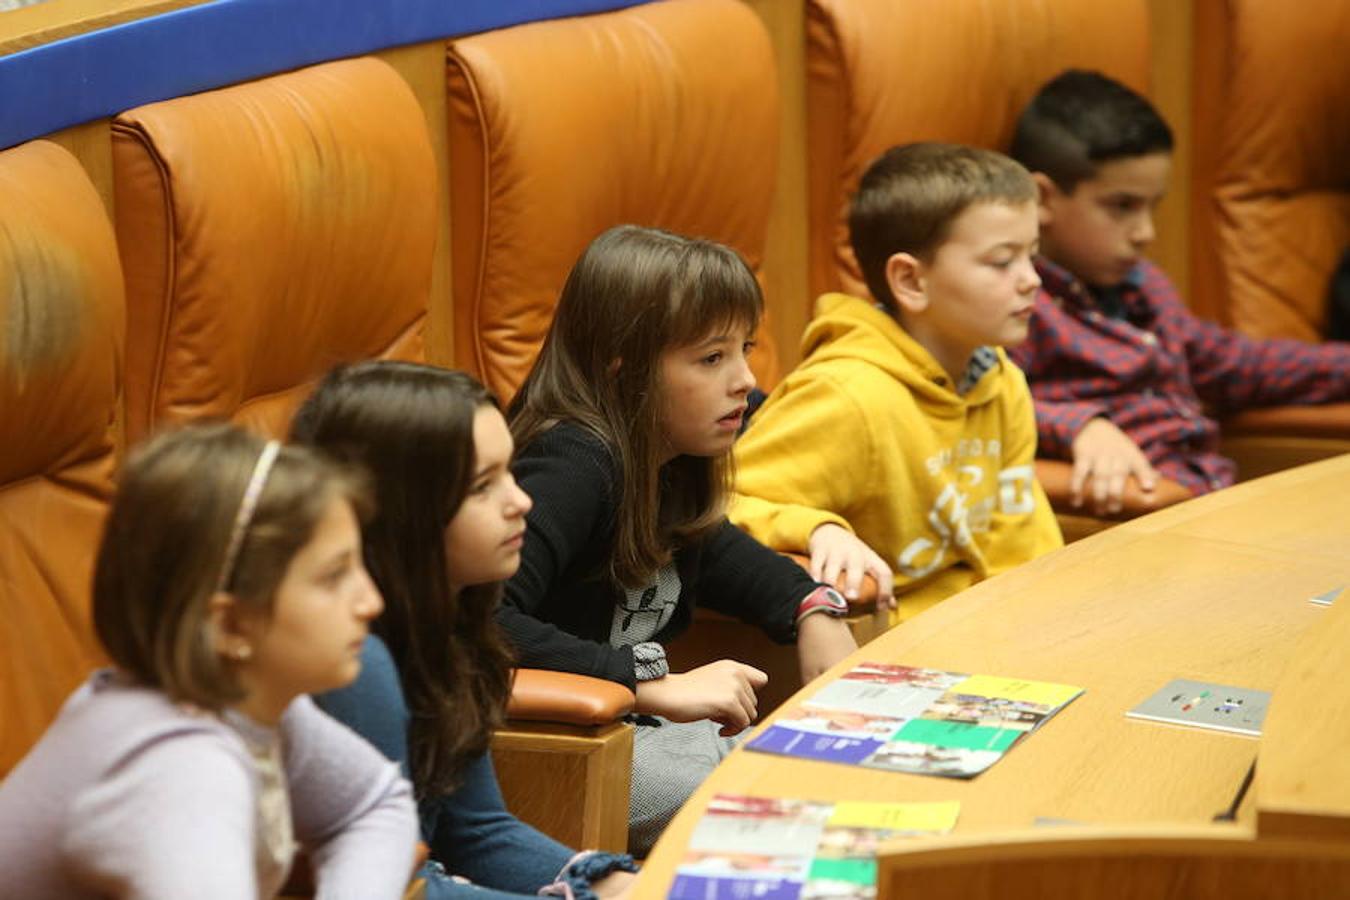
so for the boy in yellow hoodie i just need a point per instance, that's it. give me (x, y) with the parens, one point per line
(905, 439)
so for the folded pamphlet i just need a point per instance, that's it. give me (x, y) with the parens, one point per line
(1204, 705)
(907, 719)
(781, 849)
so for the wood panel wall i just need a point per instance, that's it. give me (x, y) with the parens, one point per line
(1172, 37)
(785, 260)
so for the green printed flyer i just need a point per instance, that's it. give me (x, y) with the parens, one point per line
(782, 849)
(907, 719)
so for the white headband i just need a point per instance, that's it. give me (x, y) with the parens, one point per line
(247, 506)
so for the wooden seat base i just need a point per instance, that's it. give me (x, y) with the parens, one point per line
(571, 782)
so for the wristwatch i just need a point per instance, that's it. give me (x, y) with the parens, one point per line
(823, 599)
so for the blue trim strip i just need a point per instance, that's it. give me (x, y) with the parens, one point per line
(90, 76)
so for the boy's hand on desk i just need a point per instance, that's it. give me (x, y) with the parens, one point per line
(821, 642)
(836, 550)
(723, 691)
(1104, 458)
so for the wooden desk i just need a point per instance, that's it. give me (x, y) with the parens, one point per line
(1215, 589)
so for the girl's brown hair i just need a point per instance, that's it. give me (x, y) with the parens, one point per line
(411, 427)
(164, 548)
(635, 293)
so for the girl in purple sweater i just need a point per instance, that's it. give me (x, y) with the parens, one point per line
(229, 585)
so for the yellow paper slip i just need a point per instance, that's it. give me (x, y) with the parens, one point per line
(934, 817)
(1017, 689)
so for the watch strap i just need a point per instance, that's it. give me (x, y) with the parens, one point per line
(823, 599)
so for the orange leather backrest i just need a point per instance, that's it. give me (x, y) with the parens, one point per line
(1270, 202)
(665, 115)
(269, 231)
(61, 331)
(887, 72)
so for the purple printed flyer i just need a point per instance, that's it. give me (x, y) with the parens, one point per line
(908, 719)
(761, 848)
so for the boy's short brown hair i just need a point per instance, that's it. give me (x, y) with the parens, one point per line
(909, 197)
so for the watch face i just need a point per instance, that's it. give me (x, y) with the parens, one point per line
(836, 600)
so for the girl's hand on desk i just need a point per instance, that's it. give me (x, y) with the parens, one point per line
(723, 691)
(836, 551)
(821, 642)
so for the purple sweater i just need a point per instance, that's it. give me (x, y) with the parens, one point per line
(130, 795)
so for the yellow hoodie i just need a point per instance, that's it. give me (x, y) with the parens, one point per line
(868, 432)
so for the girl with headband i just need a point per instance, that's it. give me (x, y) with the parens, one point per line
(228, 586)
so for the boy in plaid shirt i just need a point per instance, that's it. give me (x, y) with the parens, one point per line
(1124, 378)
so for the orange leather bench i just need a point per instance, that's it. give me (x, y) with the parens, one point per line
(1270, 197)
(61, 342)
(268, 231)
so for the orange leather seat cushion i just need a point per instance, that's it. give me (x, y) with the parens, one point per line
(1270, 201)
(887, 72)
(61, 333)
(269, 231)
(665, 115)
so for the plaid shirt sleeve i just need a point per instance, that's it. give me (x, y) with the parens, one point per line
(1057, 424)
(1232, 372)
(1060, 415)
(1158, 372)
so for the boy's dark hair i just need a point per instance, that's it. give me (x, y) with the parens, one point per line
(1079, 120)
(909, 197)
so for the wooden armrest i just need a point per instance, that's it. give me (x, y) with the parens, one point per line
(1331, 420)
(865, 602)
(1056, 476)
(539, 695)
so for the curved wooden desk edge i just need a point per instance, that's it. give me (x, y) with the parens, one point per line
(1112, 863)
(1059, 841)
(1249, 539)
(1302, 790)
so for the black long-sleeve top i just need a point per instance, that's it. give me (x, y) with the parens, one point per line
(560, 604)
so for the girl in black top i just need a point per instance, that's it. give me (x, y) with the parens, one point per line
(624, 426)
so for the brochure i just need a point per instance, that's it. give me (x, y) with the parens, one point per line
(782, 849)
(1218, 706)
(906, 719)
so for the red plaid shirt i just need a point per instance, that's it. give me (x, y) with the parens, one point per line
(1158, 372)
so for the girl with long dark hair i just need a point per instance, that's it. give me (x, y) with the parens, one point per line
(448, 529)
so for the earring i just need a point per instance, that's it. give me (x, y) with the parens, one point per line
(241, 652)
